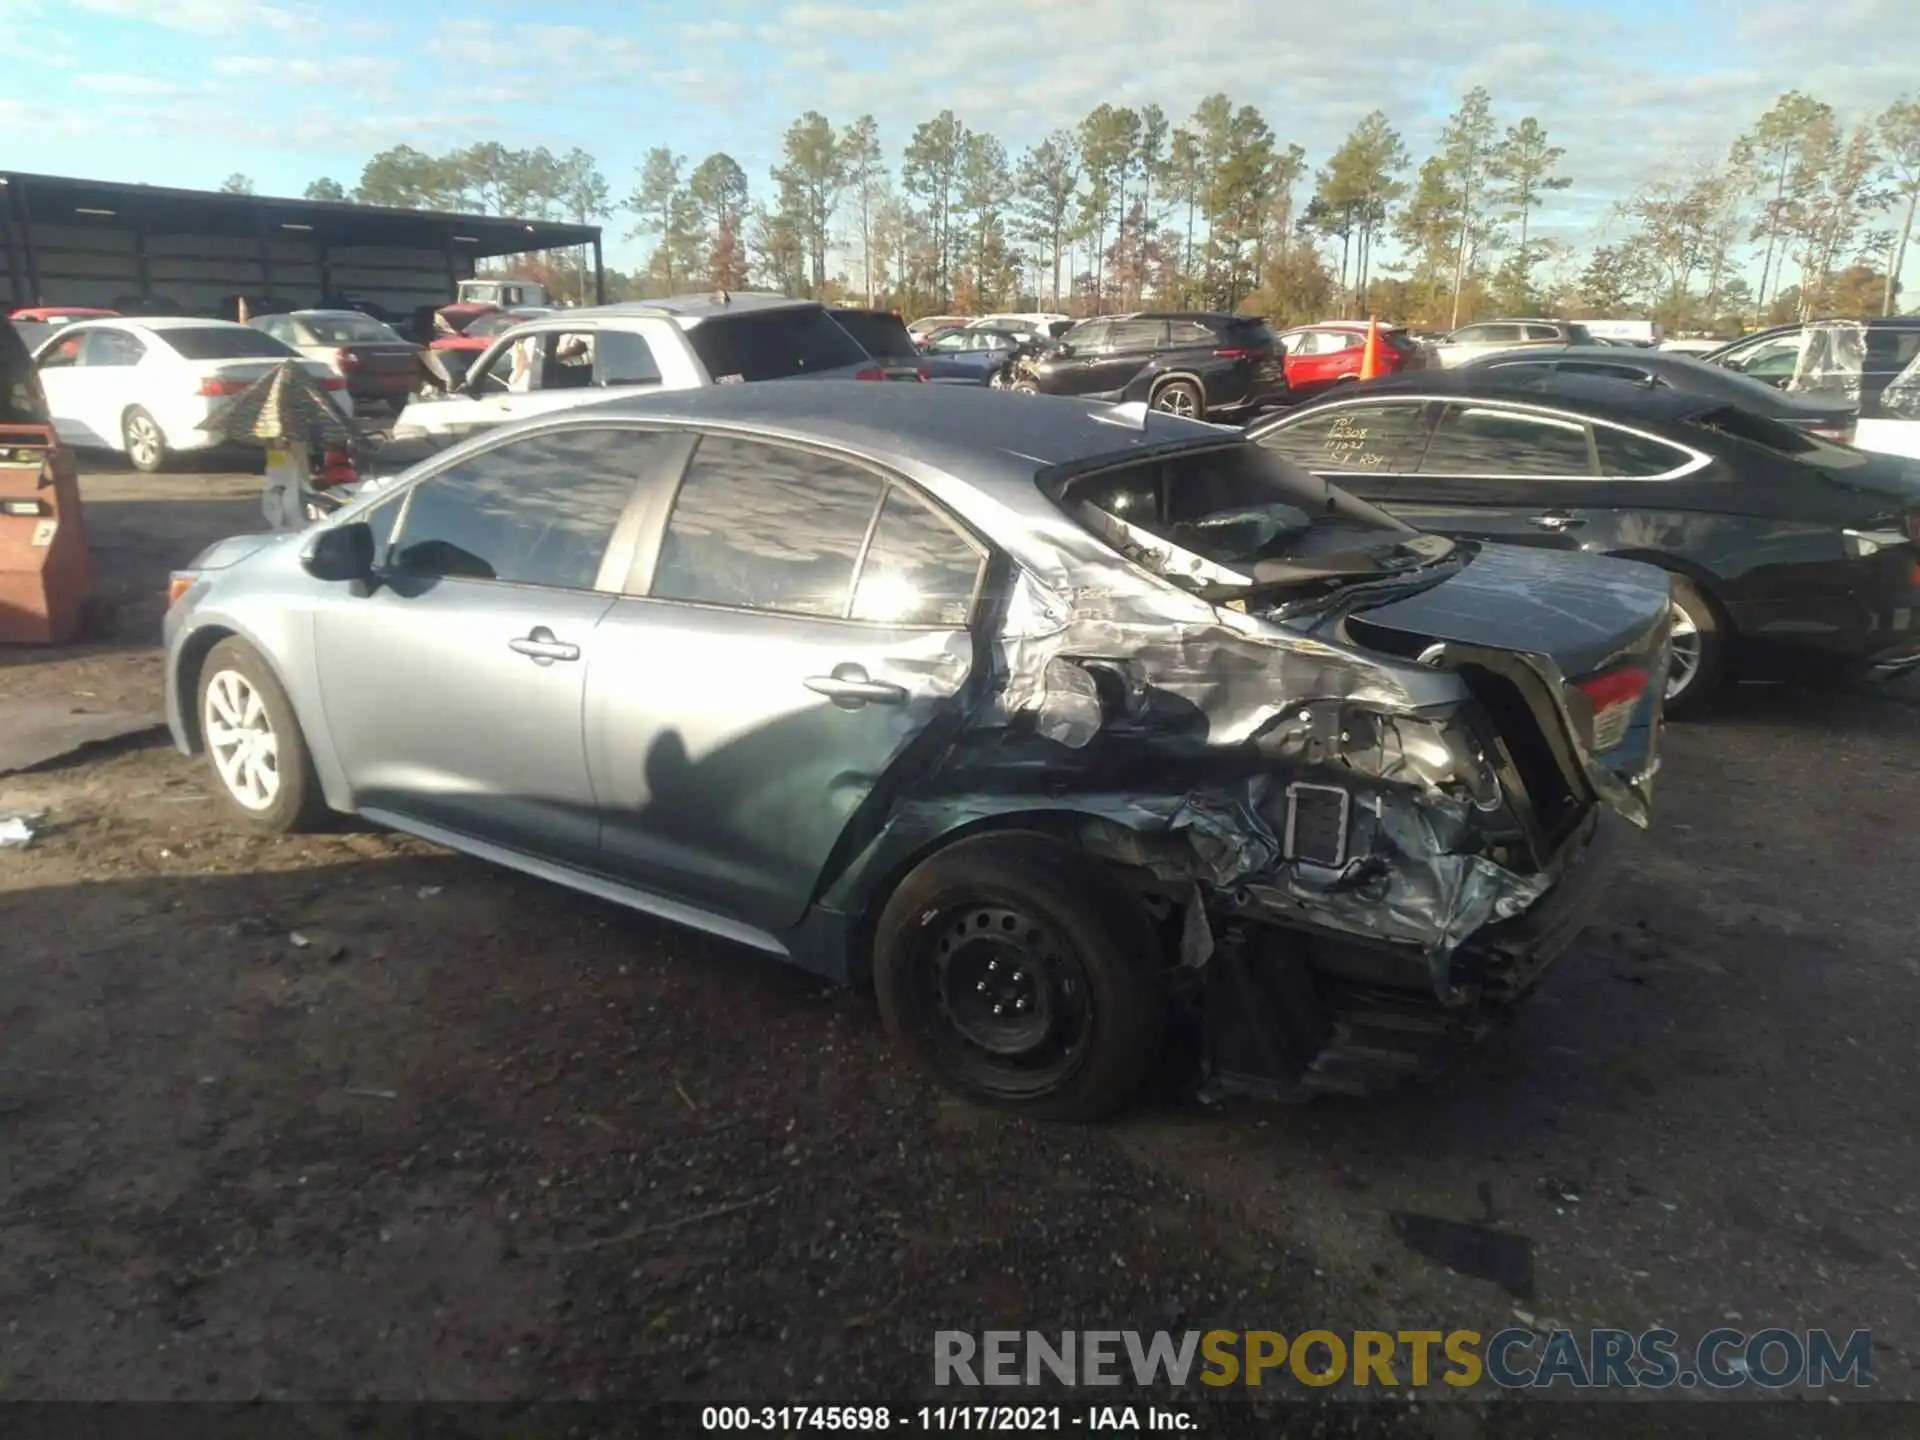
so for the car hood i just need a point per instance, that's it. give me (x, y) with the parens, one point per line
(1559, 617)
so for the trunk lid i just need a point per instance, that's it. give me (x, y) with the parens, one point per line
(1580, 639)
(380, 357)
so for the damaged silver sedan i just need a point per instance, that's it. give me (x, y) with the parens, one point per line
(1077, 731)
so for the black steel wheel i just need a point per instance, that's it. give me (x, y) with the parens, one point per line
(1023, 975)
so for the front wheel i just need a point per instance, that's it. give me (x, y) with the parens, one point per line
(1182, 398)
(1698, 650)
(1023, 975)
(261, 767)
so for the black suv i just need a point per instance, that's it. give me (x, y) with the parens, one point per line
(1195, 363)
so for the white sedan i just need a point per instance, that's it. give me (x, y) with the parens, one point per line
(142, 387)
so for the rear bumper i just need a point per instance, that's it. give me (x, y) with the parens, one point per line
(1506, 959)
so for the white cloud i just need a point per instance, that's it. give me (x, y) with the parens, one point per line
(209, 17)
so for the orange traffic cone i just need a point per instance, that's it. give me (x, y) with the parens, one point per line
(1370, 357)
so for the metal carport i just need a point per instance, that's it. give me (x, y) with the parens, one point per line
(98, 242)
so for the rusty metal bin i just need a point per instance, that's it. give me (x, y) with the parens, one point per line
(44, 571)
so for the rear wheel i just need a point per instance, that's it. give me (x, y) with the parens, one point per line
(1022, 975)
(1698, 650)
(1182, 398)
(143, 440)
(1024, 387)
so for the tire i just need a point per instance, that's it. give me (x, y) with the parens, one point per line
(1182, 398)
(1022, 921)
(144, 442)
(282, 796)
(1024, 387)
(1698, 633)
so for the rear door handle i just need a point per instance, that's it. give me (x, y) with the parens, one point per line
(1556, 520)
(849, 688)
(540, 646)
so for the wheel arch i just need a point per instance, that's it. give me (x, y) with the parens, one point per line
(862, 894)
(1701, 579)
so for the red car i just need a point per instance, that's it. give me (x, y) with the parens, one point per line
(1319, 356)
(59, 314)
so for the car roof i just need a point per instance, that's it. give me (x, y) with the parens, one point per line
(690, 308)
(168, 322)
(982, 436)
(329, 315)
(1597, 394)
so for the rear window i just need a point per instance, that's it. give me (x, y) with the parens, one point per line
(773, 345)
(223, 342)
(1232, 507)
(1253, 334)
(1400, 340)
(346, 330)
(1781, 439)
(884, 337)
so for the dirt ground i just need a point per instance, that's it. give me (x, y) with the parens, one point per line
(350, 1117)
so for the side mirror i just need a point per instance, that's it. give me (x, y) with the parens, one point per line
(1061, 347)
(340, 552)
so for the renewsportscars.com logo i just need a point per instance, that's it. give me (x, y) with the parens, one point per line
(1513, 1359)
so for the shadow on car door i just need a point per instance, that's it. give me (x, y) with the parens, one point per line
(799, 636)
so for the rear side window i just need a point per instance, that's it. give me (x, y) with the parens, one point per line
(19, 384)
(773, 345)
(764, 527)
(538, 511)
(918, 569)
(1248, 335)
(1481, 440)
(623, 358)
(1610, 372)
(1354, 439)
(1630, 456)
(1188, 332)
(223, 342)
(1543, 332)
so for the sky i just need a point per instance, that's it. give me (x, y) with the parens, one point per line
(187, 92)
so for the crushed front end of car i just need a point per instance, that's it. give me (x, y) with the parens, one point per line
(1367, 785)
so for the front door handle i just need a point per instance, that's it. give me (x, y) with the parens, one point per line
(1556, 520)
(849, 688)
(540, 646)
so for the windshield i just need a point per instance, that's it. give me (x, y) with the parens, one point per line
(773, 345)
(223, 342)
(884, 336)
(347, 330)
(1239, 517)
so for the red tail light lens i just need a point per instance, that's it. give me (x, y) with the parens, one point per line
(924, 375)
(333, 382)
(1614, 696)
(1237, 352)
(213, 386)
(345, 359)
(871, 373)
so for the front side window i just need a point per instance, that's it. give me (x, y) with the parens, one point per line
(1354, 439)
(1090, 336)
(534, 511)
(1476, 440)
(764, 527)
(1607, 372)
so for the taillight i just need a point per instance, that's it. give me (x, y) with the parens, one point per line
(1614, 696)
(924, 373)
(337, 468)
(214, 386)
(1237, 352)
(871, 373)
(333, 382)
(345, 359)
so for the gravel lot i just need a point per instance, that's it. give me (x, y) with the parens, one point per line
(349, 1117)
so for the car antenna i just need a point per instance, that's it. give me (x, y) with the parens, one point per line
(1133, 415)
